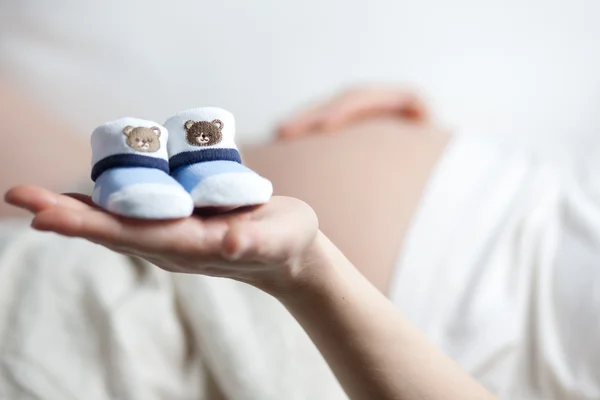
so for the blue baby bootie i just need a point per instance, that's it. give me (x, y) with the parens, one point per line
(130, 169)
(204, 159)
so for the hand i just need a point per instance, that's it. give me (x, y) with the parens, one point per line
(353, 105)
(265, 246)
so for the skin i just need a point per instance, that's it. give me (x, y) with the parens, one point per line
(280, 248)
(377, 144)
(358, 180)
(32, 141)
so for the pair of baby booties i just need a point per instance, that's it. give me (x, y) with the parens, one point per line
(145, 170)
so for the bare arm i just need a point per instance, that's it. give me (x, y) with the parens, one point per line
(372, 349)
(36, 148)
(374, 352)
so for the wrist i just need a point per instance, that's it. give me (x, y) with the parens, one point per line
(312, 273)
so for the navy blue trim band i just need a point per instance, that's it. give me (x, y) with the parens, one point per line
(128, 160)
(197, 156)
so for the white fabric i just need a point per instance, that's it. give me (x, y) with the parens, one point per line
(147, 200)
(232, 189)
(175, 125)
(108, 139)
(501, 269)
(80, 322)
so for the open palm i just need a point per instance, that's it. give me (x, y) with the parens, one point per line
(257, 245)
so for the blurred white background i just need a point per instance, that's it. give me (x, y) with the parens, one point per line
(522, 69)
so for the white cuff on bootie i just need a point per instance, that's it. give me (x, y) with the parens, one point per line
(129, 142)
(201, 129)
(129, 136)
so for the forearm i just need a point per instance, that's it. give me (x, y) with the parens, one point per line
(374, 351)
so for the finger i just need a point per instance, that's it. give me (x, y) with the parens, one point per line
(252, 239)
(183, 236)
(84, 198)
(100, 227)
(305, 122)
(354, 105)
(89, 224)
(37, 199)
(251, 242)
(368, 104)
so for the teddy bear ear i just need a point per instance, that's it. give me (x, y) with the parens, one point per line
(128, 129)
(218, 123)
(156, 130)
(188, 125)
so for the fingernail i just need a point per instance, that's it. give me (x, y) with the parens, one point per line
(35, 224)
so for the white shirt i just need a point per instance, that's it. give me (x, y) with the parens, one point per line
(501, 269)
